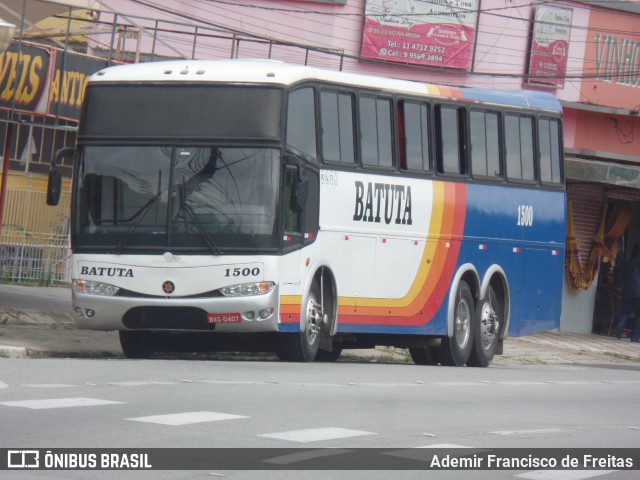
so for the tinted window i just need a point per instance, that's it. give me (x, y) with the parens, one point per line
(549, 145)
(301, 121)
(375, 132)
(519, 147)
(448, 140)
(172, 111)
(337, 127)
(485, 144)
(415, 123)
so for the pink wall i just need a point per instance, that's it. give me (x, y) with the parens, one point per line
(501, 56)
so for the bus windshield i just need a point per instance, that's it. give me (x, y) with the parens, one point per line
(180, 197)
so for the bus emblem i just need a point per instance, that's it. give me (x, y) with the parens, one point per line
(168, 287)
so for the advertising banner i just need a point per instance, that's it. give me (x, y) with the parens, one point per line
(439, 33)
(69, 81)
(611, 71)
(23, 77)
(550, 45)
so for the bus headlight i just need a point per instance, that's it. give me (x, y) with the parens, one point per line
(247, 289)
(94, 288)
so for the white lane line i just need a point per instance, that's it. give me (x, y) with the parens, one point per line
(443, 445)
(46, 385)
(316, 434)
(140, 383)
(563, 474)
(187, 418)
(59, 403)
(302, 456)
(528, 432)
(459, 384)
(3, 385)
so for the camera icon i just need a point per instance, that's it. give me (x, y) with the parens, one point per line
(23, 459)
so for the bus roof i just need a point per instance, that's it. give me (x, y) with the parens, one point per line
(280, 73)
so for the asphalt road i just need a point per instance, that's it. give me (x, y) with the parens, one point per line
(57, 403)
(35, 298)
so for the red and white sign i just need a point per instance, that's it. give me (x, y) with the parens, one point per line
(550, 46)
(439, 33)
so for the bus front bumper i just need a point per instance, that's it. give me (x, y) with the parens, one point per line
(256, 313)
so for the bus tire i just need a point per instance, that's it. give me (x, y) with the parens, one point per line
(303, 346)
(136, 344)
(487, 331)
(455, 350)
(424, 355)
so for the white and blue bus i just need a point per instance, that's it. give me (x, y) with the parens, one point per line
(285, 208)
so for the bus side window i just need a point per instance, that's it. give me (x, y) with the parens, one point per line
(414, 136)
(518, 132)
(375, 131)
(549, 148)
(336, 110)
(301, 121)
(449, 140)
(485, 144)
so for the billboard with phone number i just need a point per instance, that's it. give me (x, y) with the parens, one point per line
(439, 33)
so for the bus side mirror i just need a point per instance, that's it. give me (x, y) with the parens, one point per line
(54, 185)
(300, 195)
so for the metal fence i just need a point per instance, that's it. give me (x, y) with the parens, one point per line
(34, 243)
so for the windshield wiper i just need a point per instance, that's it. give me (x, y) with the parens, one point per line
(140, 214)
(185, 207)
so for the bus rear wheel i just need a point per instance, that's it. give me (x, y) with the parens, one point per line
(303, 346)
(487, 331)
(455, 350)
(136, 344)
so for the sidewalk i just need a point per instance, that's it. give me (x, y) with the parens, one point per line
(36, 334)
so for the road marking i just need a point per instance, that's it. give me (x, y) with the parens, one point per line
(3, 385)
(302, 456)
(444, 445)
(46, 385)
(187, 418)
(140, 383)
(59, 403)
(528, 432)
(563, 474)
(316, 434)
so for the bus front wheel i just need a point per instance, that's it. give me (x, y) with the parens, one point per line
(303, 346)
(455, 350)
(136, 344)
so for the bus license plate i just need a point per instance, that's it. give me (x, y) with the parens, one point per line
(223, 318)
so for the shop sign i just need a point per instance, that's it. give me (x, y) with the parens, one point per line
(550, 45)
(68, 83)
(611, 68)
(438, 33)
(23, 76)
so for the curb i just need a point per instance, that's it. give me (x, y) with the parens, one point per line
(11, 351)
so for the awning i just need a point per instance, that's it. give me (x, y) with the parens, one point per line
(621, 171)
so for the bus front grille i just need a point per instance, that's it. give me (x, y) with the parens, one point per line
(170, 318)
